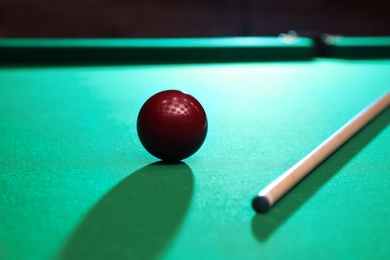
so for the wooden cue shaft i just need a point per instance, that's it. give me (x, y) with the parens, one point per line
(267, 197)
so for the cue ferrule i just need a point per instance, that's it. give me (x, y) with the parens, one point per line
(279, 187)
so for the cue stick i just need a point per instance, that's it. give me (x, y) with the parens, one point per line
(267, 197)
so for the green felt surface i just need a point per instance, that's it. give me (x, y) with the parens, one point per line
(76, 183)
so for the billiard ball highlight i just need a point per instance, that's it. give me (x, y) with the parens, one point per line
(172, 125)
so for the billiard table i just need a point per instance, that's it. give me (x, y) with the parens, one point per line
(76, 183)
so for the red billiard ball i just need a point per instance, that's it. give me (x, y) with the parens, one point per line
(172, 125)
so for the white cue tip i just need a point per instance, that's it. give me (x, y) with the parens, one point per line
(267, 197)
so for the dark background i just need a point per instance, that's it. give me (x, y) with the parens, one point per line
(190, 18)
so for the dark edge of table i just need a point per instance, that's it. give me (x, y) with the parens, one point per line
(377, 47)
(150, 51)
